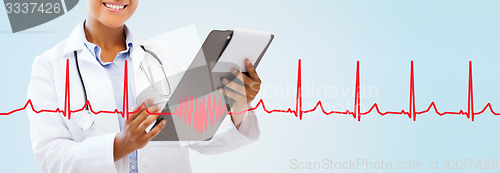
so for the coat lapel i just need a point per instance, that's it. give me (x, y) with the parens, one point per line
(137, 55)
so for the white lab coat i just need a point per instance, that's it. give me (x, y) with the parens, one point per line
(61, 146)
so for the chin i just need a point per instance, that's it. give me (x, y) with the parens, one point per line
(111, 13)
(113, 23)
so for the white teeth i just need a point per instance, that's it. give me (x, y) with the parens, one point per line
(116, 7)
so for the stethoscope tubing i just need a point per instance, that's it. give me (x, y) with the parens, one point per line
(90, 119)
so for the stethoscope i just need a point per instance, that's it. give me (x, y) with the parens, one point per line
(87, 119)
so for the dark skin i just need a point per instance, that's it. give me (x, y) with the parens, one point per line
(105, 28)
(242, 94)
(134, 133)
(108, 50)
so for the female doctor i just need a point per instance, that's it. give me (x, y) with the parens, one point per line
(96, 52)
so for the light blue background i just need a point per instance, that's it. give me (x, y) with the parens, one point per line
(329, 36)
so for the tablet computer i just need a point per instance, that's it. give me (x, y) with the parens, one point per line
(196, 108)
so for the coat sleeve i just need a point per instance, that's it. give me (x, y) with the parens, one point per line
(53, 145)
(229, 138)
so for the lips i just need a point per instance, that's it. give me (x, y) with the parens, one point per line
(114, 6)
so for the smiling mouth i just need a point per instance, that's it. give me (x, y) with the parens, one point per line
(114, 6)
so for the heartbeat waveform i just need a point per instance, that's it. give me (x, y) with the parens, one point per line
(411, 113)
(200, 113)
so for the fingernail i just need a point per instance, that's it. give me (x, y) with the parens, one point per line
(234, 70)
(225, 81)
(163, 122)
(248, 62)
(156, 107)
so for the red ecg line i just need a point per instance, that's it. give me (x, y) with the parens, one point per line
(411, 113)
(200, 113)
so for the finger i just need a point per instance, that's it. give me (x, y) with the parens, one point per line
(147, 122)
(251, 70)
(235, 96)
(253, 86)
(241, 76)
(251, 92)
(249, 82)
(149, 102)
(234, 86)
(155, 130)
(143, 115)
(137, 111)
(141, 108)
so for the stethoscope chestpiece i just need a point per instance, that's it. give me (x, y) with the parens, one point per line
(86, 120)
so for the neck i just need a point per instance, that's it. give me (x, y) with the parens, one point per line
(103, 36)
